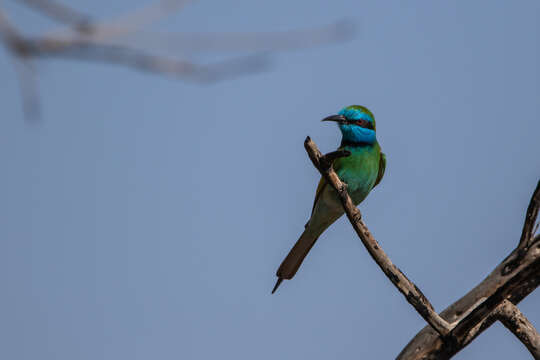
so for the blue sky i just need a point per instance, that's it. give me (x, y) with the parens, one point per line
(144, 217)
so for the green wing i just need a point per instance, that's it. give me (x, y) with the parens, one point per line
(320, 188)
(382, 167)
(323, 183)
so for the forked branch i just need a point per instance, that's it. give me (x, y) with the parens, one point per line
(512, 280)
(493, 299)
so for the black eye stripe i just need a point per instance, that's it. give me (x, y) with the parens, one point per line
(363, 123)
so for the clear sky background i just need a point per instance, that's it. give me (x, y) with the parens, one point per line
(144, 217)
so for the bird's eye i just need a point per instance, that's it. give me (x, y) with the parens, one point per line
(364, 123)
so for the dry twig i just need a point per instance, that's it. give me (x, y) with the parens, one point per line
(513, 279)
(493, 299)
(510, 316)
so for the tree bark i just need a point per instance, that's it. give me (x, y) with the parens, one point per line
(514, 320)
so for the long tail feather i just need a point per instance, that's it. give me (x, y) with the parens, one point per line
(278, 282)
(296, 256)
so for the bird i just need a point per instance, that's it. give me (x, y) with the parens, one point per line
(362, 170)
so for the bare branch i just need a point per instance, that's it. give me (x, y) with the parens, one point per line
(125, 24)
(29, 87)
(8, 31)
(514, 320)
(60, 12)
(530, 219)
(156, 64)
(101, 41)
(515, 278)
(23, 68)
(193, 43)
(411, 292)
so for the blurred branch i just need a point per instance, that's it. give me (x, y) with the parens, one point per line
(26, 74)
(137, 59)
(130, 22)
(59, 12)
(121, 41)
(9, 34)
(193, 43)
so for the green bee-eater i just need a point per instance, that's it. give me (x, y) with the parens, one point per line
(361, 171)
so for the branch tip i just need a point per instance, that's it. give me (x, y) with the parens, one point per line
(529, 227)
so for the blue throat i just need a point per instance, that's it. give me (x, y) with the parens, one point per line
(355, 135)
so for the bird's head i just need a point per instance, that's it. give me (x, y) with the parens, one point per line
(357, 124)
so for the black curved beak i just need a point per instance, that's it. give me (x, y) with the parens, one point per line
(337, 118)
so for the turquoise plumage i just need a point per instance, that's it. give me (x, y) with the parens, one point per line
(362, 171)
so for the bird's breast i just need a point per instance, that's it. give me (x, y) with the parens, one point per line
(359, 171)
